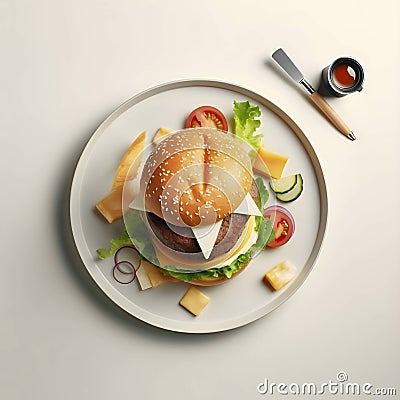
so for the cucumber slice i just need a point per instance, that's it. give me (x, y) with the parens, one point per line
(283, 185)
(294, 193)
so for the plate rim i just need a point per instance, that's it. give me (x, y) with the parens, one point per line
(182, 326)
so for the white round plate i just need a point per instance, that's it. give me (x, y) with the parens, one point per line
(236, 302)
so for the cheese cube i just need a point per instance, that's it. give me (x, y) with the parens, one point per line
(280, 275)
(194, 300)
(269, 164)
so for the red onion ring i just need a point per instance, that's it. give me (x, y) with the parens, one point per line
(117, 253)
(133, 271)
(118, 267)
(284, 210)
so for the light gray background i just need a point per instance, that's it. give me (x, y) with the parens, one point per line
(65, 65)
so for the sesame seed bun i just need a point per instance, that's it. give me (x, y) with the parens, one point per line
(196, 176)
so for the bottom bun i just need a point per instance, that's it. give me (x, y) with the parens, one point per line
(217, 281)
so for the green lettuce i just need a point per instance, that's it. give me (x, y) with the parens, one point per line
(136, 234)
(244, 116)
(140, 236)
(263, 196)
(263, 193)
(115, 244)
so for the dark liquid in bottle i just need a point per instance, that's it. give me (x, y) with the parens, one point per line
(344, 76)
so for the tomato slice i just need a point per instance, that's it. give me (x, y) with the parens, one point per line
(283, 224)
(207, 116)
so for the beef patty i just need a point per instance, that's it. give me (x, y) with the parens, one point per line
(182, 239)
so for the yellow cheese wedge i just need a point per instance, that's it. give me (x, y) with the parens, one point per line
(194, 301)
(110, 207)
(133, 154)
(280, 275)
(161, 134)
(269, 164)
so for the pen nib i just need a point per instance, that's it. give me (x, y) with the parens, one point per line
(351, 136)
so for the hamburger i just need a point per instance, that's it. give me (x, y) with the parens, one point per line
(194, 221)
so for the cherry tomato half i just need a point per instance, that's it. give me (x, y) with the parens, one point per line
(207, 116)
(283, 224)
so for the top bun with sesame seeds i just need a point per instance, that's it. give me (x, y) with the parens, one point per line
(196, 176)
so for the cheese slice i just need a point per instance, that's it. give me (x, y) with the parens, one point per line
(248, 207)
(206, 237)
(138, 203)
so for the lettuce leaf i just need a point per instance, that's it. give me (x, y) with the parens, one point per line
(136, 234)
(263, 196)
(115, 244)
(244, 116)
(263, 193)
(140, 236)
